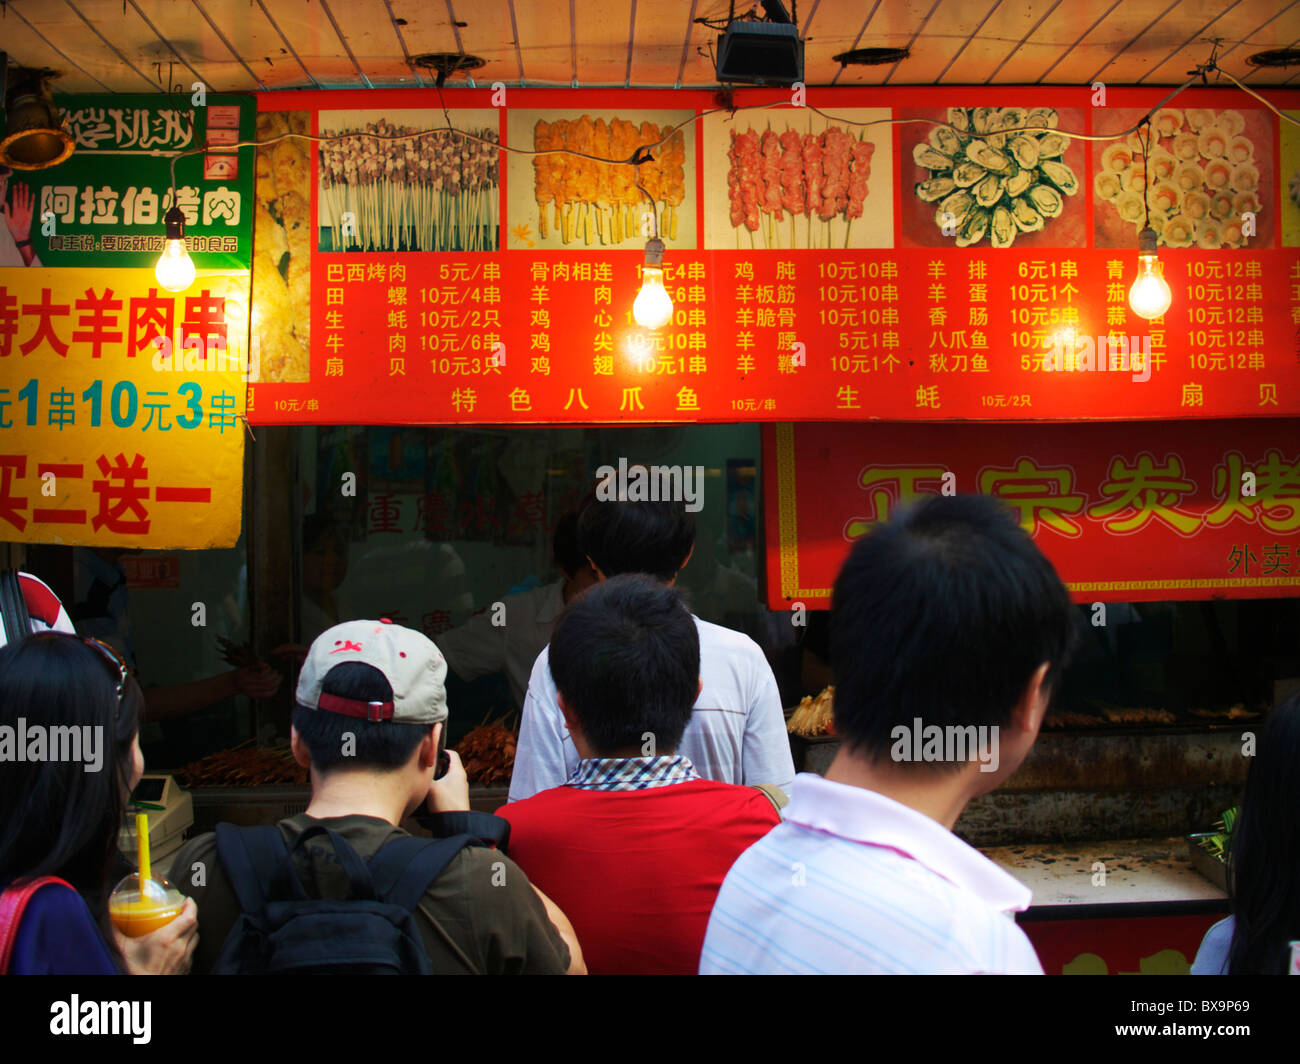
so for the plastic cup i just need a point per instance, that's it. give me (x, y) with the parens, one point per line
(136, 911)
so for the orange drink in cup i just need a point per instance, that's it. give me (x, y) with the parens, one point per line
(137, 912)
(142, 903)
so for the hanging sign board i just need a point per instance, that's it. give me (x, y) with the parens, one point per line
(844, 263)
(1127, 513)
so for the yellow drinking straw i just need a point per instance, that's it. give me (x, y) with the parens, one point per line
(142, 849)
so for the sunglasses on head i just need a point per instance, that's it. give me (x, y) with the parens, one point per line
(116, 665)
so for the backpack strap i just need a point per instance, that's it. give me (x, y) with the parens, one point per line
(774, 794)
(251, 857)
(13, 607)
(403, 868)
(13, 902)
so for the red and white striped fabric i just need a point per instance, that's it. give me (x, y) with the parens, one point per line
(43, 605)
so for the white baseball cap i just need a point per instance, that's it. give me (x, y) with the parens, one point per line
(413, 666)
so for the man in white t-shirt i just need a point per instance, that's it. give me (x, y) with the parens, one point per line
(16, 232)
(737, 729)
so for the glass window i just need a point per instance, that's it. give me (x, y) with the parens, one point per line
(431, 527)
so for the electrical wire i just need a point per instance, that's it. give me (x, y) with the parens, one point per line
(1251, 92)
(642, 153)
(1146, 187)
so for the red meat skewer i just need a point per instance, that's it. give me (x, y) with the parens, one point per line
(770, 146)
(792, 182)
(835, 164)
(860, 153)
(733, 183)
(747, 177)
(812, 168)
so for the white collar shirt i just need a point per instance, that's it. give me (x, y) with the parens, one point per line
(852, 882)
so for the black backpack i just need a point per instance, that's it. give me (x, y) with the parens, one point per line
(283, 930)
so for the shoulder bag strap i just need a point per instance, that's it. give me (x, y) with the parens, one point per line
(774, 794)
(12, 904)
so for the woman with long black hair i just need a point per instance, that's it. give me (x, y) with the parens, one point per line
(1264, 861)
(60, 815)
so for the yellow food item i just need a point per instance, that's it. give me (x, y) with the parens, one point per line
(813, 716)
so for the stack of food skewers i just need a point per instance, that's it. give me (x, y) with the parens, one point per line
(817, 177)
(597, 202)
(435, 191)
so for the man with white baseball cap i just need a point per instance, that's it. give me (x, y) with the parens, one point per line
(369, 720)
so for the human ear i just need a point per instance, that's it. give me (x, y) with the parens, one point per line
(299, 748)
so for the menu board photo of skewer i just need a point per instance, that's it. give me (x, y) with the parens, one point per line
(387, 186)
(791, 178)
(569, 202)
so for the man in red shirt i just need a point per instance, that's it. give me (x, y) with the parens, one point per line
(635, 845)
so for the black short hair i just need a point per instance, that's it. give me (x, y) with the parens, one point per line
(626, 657)
(622, 536)
(943, 613)
(382, 745)
(568, 554)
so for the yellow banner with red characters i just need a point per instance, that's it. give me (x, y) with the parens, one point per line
(122, 408)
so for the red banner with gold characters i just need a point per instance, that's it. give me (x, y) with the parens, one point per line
(1142, 511)
(846, 260)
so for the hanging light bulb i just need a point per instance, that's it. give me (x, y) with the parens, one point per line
(1150, 295)
(175, 269)
(653, 308)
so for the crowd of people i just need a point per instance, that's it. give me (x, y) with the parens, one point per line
(655, 822)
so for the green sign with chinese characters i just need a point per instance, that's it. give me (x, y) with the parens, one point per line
(104, 206)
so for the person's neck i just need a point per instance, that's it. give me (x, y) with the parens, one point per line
(940, 795)
(354, 792)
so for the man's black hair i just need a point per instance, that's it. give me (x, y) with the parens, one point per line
(568, 555)
(626, 657)
(379, 745)
(621, 536)
(943, 613)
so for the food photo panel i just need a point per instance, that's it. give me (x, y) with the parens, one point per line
(788, 177)
(570, 202)
(1206, 171)
(992, 177)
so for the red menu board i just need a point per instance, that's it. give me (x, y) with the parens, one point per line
(1145, 511)
(824, 264)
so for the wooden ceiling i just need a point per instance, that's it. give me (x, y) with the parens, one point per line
(247, 45)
